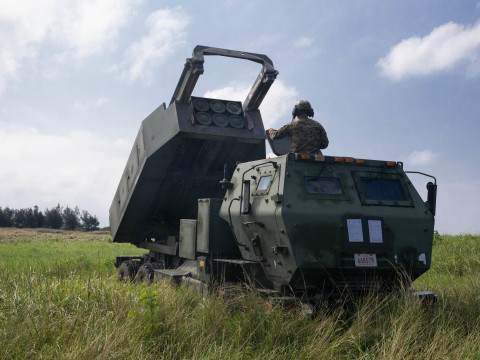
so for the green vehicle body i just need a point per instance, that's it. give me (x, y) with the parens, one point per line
(198, 193)
(324, 223)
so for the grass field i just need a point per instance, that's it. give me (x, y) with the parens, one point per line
(59, 299)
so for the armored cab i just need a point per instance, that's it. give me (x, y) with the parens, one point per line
(322, 224)
(198, 193)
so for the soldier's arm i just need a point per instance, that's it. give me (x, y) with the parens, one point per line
(280, 133)
(323, 139)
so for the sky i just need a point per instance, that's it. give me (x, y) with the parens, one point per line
(389, 80)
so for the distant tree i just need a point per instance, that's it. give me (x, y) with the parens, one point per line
(29, 218)
(24, 218)
(6, 217)
(70, 218)
(53, 217)
(38, 217)
(20, 218)
(89, 222)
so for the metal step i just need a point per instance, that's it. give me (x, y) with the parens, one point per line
(171, 274)
(236, 261)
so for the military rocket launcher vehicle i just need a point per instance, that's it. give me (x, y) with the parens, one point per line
(198, 193)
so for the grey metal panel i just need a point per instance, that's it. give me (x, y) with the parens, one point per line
(203, 225)
(214, 235)
(280, 146)
(170, 247)
(187, 238)
(172, 272)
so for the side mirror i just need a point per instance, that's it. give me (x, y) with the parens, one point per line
(432, 196)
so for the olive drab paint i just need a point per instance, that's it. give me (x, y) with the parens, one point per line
(312, 216)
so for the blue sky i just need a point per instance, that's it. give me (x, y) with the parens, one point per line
(396, 80)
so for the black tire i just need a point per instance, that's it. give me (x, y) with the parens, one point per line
(127, 270)
(146, 271)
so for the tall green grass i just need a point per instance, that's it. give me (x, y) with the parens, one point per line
(59, 298)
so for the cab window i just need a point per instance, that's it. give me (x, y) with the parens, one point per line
(322, 185)
(264, 182)
(383, 189)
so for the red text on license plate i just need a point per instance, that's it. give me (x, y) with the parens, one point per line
(365, 260)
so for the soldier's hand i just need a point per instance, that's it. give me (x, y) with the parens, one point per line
(270, 130)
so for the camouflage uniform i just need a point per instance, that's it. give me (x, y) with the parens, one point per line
(306, 135)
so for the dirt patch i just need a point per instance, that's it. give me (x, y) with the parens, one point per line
(15, 234)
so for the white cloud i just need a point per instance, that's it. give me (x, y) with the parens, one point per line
(78, 168)
(167, 32)
(275, 108)
(237, 92)
(85, 105)
(81, 28)
(50, 73)
(303, 42)
(101, 101)
(278, 104)
(420, 157)
(445, 47)
(89, 25)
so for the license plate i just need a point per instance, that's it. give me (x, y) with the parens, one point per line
(365, 260)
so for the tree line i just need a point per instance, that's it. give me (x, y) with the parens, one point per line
(56, 217)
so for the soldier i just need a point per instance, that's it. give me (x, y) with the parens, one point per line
(307, 135)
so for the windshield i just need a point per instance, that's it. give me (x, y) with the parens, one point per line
(382, 189)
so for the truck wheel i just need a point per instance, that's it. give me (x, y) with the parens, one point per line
(146, 271)
(127, 270)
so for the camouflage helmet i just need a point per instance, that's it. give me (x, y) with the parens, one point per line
(303, 106)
